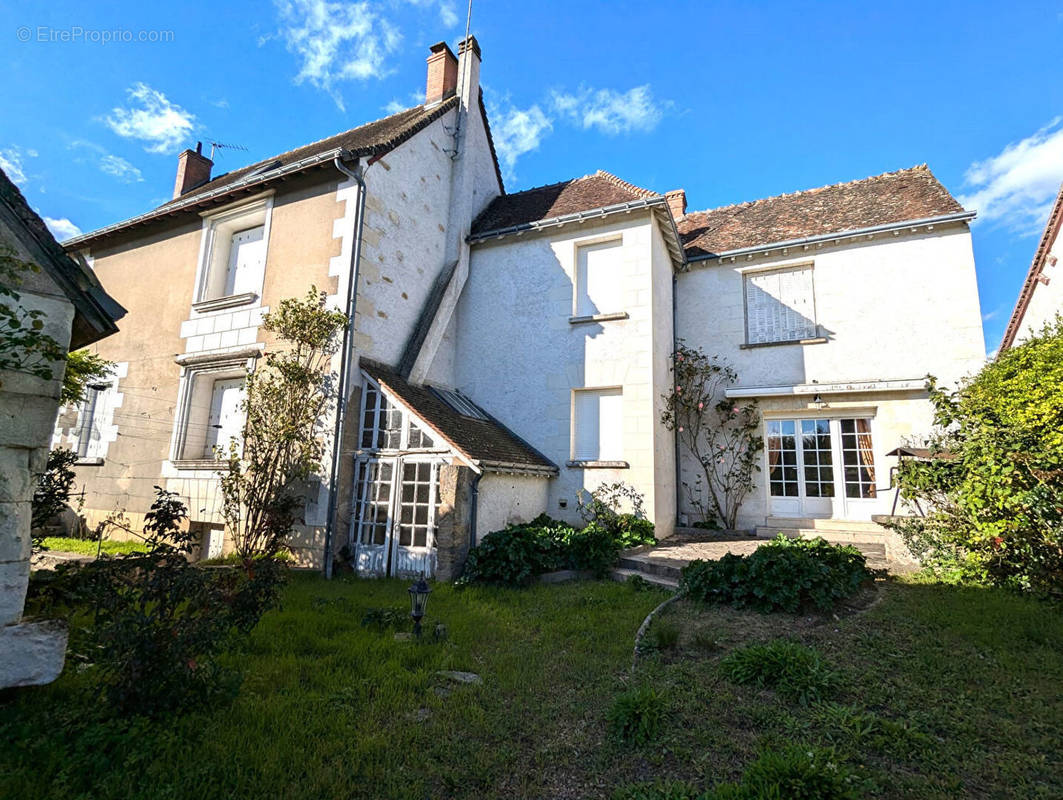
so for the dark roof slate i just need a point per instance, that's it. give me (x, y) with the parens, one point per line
(487, 443)
(95, 311)
(556, 200)
(907, 194)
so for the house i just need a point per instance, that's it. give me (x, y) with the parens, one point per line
(76, 312)
(510, 350)
(1040, 300)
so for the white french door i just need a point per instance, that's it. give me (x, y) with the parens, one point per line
(394, 522)
(820, 468)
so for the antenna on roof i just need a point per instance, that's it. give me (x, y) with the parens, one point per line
(222, 146)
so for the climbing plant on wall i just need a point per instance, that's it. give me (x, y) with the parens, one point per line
(722, 436)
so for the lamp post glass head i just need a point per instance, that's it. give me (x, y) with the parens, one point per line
(418, 601)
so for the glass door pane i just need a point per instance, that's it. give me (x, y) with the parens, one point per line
(782, 458)
(858, 458)
(817, 456)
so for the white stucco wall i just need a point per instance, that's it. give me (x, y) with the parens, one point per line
(505, 499)
(895, 307)
(1047, 298)
(521, 358)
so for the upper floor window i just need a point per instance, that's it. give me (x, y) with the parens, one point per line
(211, 414)
(599, 279)
(780, 306)
(233, 256)
(598, 425)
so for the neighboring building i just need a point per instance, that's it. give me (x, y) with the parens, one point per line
(1040, 299)
(77, 313)
(511, 350)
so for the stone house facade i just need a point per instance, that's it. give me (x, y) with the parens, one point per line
(76, 312)
(508, 351)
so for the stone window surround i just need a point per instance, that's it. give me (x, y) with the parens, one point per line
(237, 216)
(592, 463)
(589, 241)
(216, 365)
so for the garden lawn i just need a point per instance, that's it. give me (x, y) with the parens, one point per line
(87, 547)
(941, 692)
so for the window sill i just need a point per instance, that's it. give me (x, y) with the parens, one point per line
(597, 318)
(591, 464)
(200, 464)
(813, 340)
(89, 462)
(224, 302)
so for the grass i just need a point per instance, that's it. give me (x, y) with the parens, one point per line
(941, 692)
(86, 547)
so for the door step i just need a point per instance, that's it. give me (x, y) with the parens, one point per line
(623, 574)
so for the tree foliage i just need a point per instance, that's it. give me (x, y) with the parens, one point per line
(24, 346)
(82, 368)
(283, 443)
(995, 500)
(53, 490)
(722, 435)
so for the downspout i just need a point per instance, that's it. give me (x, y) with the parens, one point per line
(678, 454)
(474, 502)
(345, 357)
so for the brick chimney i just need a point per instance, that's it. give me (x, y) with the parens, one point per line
(193, 169)
(677, 202)
(442, 74)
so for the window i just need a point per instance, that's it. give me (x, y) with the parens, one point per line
(211, 414)
(780, 306)
(233, 259)
(598, 425)
(88, 431)
(385, 426)
(858, 458)
(782, 458)
(459, 402)
(599, 279)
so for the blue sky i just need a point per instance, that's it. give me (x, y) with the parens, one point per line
(732, 101)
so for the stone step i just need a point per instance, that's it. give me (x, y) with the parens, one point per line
(835, 525)
(622, 574)
(664, 568)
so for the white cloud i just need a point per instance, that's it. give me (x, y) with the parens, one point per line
(160, 125)
(118, 167)
(11, 162)
(1016, 187)
(517, 131)
(610, 111)
(336, 42)
(416, 98)
(62, 228)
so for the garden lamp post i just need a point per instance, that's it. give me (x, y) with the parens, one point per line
(418, 600)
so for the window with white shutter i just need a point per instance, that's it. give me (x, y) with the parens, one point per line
(599, 279)
(598, 425)
(780, 306)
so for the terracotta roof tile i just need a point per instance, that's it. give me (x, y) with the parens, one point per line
(908, 194)
(546, 202)
(484, 441)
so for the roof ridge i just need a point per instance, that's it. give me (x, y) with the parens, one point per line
(917, 168)
(622, 183)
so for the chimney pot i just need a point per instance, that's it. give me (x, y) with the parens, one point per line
(193, 169)
(677, 202)
(442, 74)
(470, 43)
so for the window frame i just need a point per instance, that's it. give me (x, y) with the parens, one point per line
(578, 281)
(607, 460)
(215, 369)
(218, 228)
(408, 419)
(747, 275)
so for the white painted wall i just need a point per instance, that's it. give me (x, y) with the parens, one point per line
(521, 358)
(892, 308)
(506, 499)
(1047, 298)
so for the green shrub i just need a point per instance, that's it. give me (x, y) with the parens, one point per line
(798, 773)
(996, 504)
(591, 548)
(636, 715)
(786, 574)
(632, 531)
(793, 670)
(604, 505)
(159, 623)
(515, 555)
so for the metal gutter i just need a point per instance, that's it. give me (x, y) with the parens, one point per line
(962, 216)
(577, 216)
(245, 182)
(837, 387)
(345, 357)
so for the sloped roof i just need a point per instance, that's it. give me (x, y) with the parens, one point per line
(486, 443)
(95, 311)
(373, 138)
(893, 197)
(1055, 221)
(590, 192)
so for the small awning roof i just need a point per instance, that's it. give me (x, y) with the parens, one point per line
(485, 444)
(923, 453)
